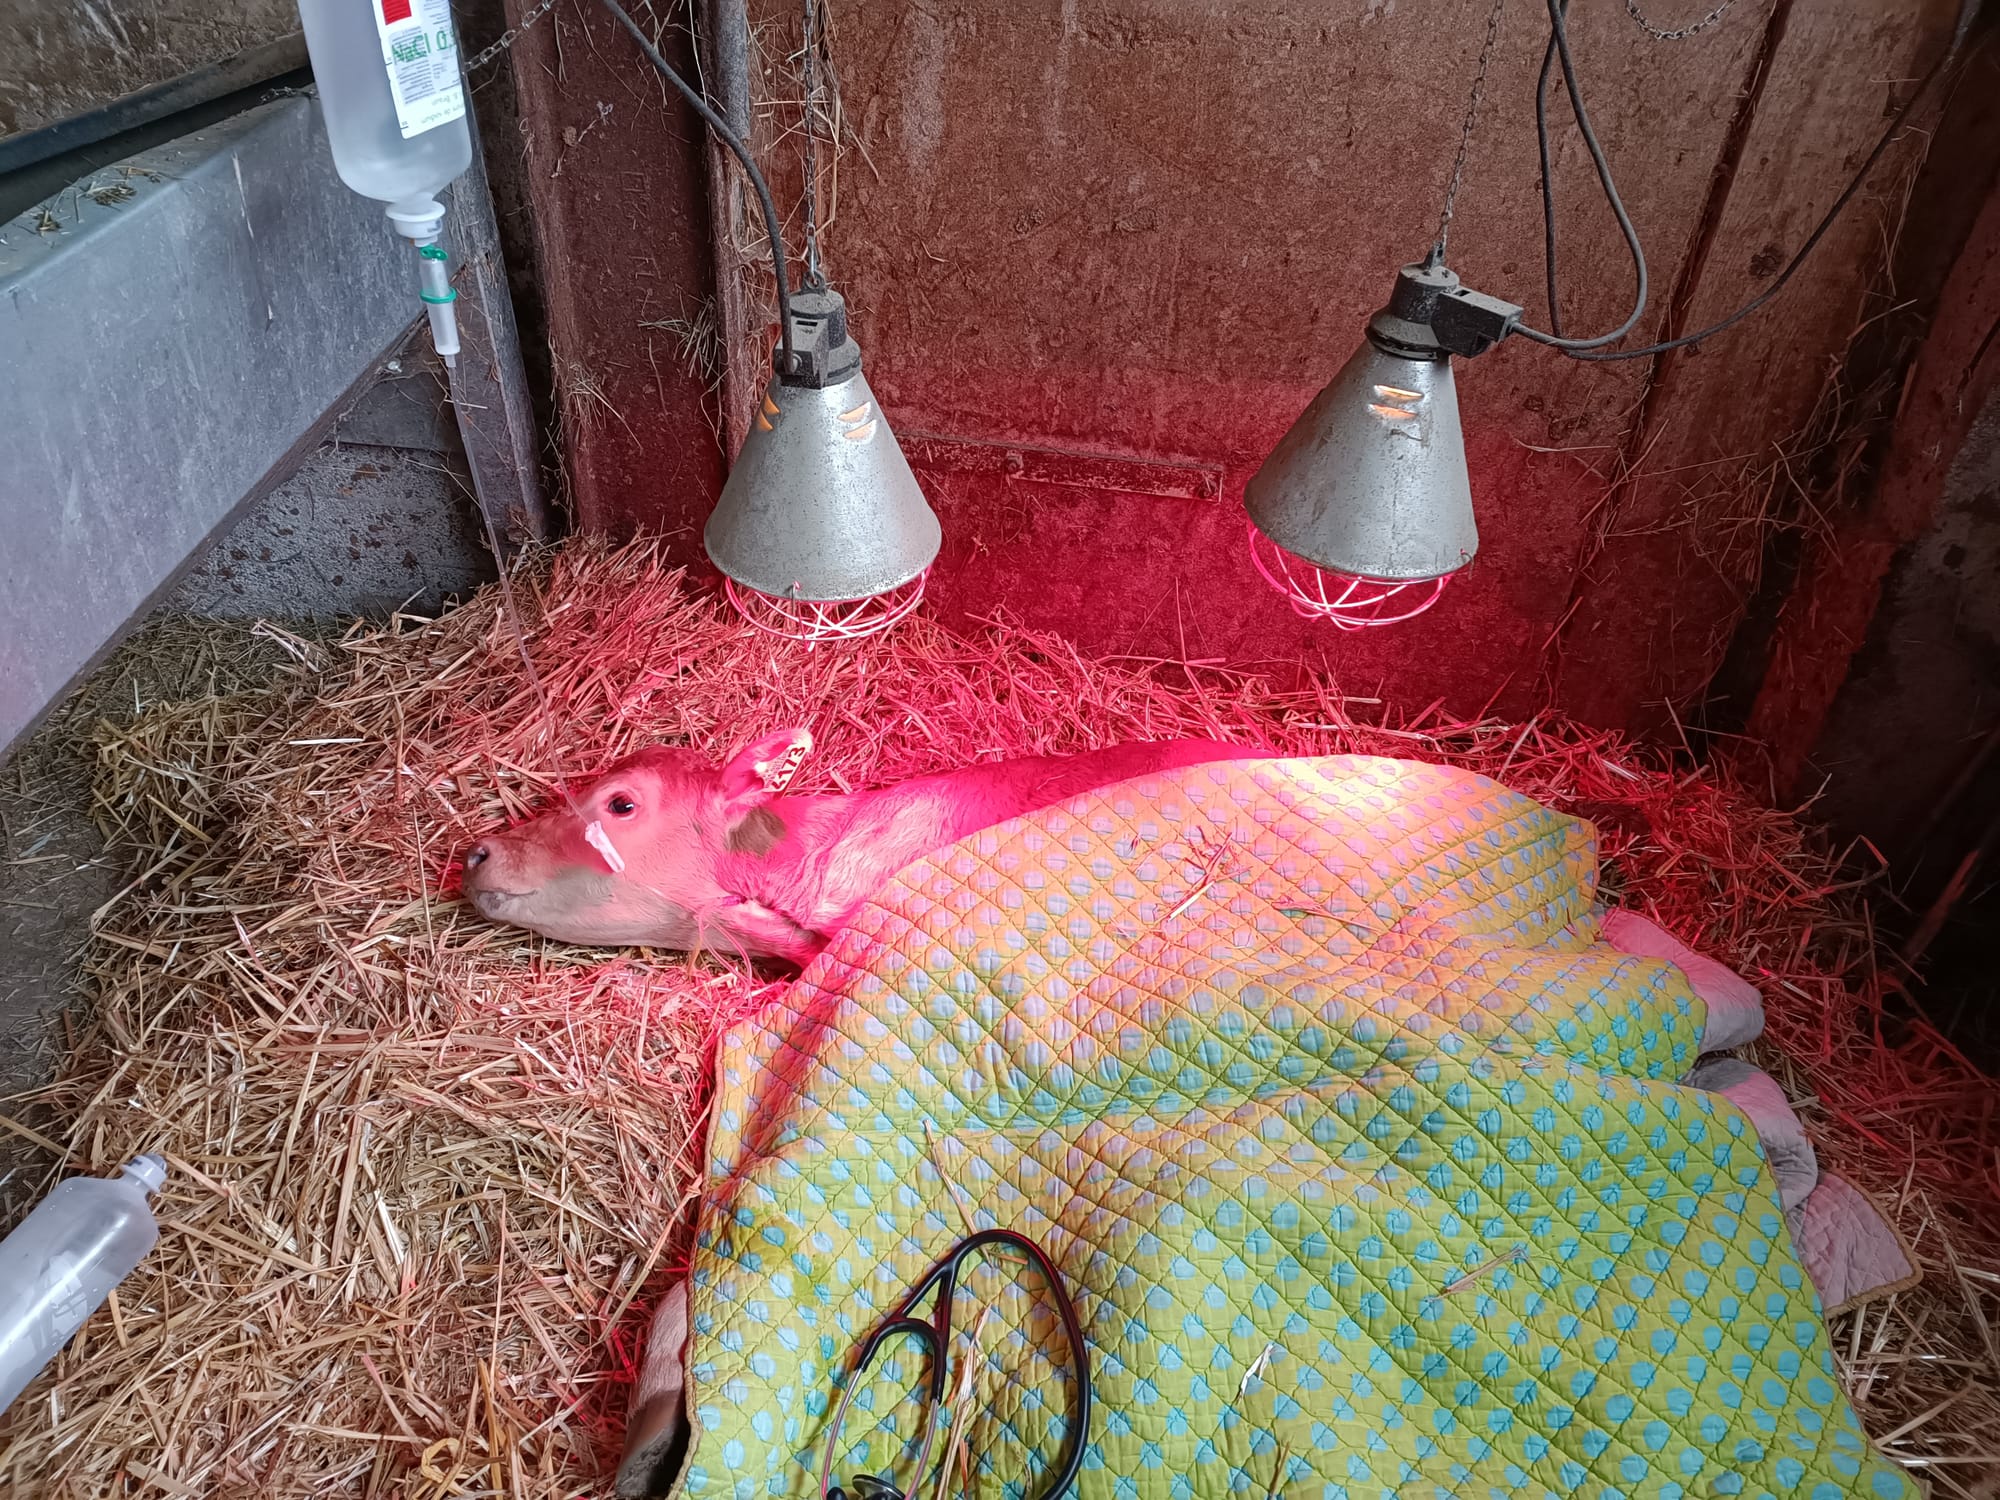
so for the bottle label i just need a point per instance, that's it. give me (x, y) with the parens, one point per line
(421, 53)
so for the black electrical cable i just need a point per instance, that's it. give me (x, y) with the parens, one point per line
(1548, 180)
(1559, 37)
(1812, 240)
(1587, 349)
(728, 138)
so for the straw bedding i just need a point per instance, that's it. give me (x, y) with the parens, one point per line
(431, 1175)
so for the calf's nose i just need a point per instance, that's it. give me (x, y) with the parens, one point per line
(477, 856)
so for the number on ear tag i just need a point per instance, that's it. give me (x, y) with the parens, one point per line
(777, 775)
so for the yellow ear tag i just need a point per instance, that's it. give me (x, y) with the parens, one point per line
(598, 839)
(777, 775)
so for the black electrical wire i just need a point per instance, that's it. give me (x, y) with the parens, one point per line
(1812, 240)
(728, 138)
(1588, 349)
(1559, 39)
(1548, 180)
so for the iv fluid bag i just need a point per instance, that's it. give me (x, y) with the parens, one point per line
(389, 87)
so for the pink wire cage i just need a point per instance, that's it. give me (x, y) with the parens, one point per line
(815, 620)
(1347, 601)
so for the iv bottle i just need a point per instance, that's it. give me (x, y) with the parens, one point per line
(64, 1259)
(394, 104)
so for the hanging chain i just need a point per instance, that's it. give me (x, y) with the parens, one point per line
(1679, 34)
(815, 278)
(1465, 130)
(511, 35)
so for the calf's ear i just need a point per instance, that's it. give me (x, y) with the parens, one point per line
(761, 770)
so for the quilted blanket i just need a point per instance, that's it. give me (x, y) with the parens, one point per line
(1361, 1156)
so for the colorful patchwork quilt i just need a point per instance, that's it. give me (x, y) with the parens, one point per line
(1362, 1158)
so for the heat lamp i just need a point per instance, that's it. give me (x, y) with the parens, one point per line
(821, 531)
(1363, 511)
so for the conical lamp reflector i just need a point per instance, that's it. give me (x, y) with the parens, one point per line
(1371, 480)
(821, 504)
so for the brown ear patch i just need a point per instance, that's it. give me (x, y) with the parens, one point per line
(757, 833)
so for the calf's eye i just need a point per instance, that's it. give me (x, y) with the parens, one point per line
(620, 806)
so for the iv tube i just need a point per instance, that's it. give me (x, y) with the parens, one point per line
(387, 76)
(422, 225)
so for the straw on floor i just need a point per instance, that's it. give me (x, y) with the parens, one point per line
(430, 1175)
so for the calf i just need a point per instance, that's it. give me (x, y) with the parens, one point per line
(668, 850)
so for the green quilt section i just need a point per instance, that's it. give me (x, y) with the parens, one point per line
(1362, 1158)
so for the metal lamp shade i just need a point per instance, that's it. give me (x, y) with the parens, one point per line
(821, 504)
(1371, 480)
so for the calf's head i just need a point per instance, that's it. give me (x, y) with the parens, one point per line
(672, 819)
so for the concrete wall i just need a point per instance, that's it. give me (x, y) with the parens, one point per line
(60, 60)
(1138, 229)
(379, 516)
